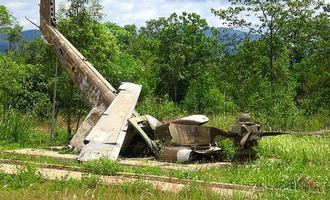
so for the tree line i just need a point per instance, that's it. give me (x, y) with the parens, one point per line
(281, 74)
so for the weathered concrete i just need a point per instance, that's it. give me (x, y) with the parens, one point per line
(168, 184)
(136, 162)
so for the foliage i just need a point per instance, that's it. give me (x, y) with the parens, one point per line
(102, 166)
(5, 17)
(163, 109)
(9, 27)
(26, 176)
(279, 76)
(291, 27)
(204, 97)
(229, 149)
(314, 77)
(15, 129)
(20, 130)
(182, 48)
(80, 25)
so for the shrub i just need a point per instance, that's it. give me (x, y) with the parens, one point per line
(15, 128)
(205, 97)
(160, 108)
(229, 149)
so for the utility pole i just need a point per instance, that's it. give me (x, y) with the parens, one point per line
(53, 127)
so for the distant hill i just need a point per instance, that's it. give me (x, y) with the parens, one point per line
(31, 34)
(226, 36)
(26, 36)
(229, 36)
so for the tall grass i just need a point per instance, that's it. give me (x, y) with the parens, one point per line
(18, 129)
(15, 128)
(24, 178)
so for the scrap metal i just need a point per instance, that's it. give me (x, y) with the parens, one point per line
(113, 127)
(107, 136)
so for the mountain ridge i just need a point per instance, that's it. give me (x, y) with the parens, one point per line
(29, 35)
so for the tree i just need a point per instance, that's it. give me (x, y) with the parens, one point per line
(80, 24)
(11, 73)
(5, 17)
(282, 24)
(290, 32)
(313, 74)
(183, 51)
(14, 35)
(10, 27)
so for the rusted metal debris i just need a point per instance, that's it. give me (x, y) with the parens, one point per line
(94, 115)
(113, 127)
(191, 120)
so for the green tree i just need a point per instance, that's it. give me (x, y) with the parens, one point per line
(5, 17)
(204, 96)
(14, 35)
(80, 24)
(267, 70)
(10, 27)
(183, 51)
(11, 73)
(314, 79)
(281, 24)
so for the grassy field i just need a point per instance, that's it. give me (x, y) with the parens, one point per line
(294, 167)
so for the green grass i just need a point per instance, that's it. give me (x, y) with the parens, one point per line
(299, 165)
(296, 166)
(27, 184)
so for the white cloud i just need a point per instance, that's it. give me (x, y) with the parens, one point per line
(126, 11)
(24, 8)
(123, 11)
(138, 12)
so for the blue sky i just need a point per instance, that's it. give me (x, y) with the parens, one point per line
(125, 11)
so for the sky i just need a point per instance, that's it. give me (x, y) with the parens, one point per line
(125, 11)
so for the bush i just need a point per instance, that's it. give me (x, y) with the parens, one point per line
(15, 129)
(274, 107)
(160, 108)
(18, 129)
(229, 149)
(204, 97)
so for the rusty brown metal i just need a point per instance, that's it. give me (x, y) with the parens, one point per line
(93, 87)
(188, 135)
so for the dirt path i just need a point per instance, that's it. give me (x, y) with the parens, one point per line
(127, 162)
(169, 184)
